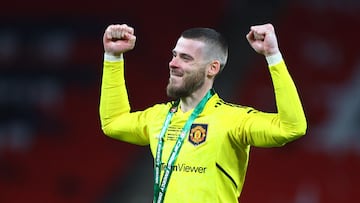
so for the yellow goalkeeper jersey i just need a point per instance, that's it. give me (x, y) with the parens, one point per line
(212, 162)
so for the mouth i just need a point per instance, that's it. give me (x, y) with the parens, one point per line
(175, 73)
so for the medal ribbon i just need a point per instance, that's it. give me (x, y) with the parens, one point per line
(160, 189)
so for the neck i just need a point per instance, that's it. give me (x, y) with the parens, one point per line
(191, 101)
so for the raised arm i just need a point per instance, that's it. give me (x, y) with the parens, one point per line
(289, 123)
(116, 119)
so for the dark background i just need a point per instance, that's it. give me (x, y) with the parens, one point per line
(51, 145)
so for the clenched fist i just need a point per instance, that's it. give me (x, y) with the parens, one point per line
(118, 39)
(263, 40)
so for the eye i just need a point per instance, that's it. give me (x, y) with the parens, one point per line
(186, 57)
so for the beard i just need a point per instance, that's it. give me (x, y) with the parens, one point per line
(190, 83)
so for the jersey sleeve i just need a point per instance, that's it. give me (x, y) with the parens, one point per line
(276, 129)
(116, 119)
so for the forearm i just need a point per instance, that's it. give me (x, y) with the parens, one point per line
(113, 99)
(292, 121)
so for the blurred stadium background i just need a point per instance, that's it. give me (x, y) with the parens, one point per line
(51, 145)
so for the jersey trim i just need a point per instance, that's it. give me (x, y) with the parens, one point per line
(227, 175)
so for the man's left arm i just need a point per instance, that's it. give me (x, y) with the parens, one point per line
(276, 129)
(291, 115)
(289, 123)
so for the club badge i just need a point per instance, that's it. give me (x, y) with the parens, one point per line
(198, 133)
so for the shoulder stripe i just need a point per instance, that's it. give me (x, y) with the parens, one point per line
(222, 102)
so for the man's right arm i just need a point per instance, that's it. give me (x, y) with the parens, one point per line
(113, 99)
(116, 120)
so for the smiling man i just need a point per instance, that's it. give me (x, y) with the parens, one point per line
(199, 142)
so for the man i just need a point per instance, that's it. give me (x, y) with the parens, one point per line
(200, 143)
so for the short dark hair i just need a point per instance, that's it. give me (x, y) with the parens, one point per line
(214, 40)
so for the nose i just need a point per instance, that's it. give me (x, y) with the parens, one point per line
(173, 62)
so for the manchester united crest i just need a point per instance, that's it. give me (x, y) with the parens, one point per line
(198, 133)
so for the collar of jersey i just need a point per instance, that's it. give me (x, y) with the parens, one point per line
(208, 107)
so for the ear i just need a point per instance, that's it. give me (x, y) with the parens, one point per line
(214, 68)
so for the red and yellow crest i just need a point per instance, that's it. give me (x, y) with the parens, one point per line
(198, 133)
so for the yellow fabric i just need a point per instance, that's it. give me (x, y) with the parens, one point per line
(212, 163)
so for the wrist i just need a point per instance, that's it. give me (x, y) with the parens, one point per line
(274, 58)
(112, 57)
